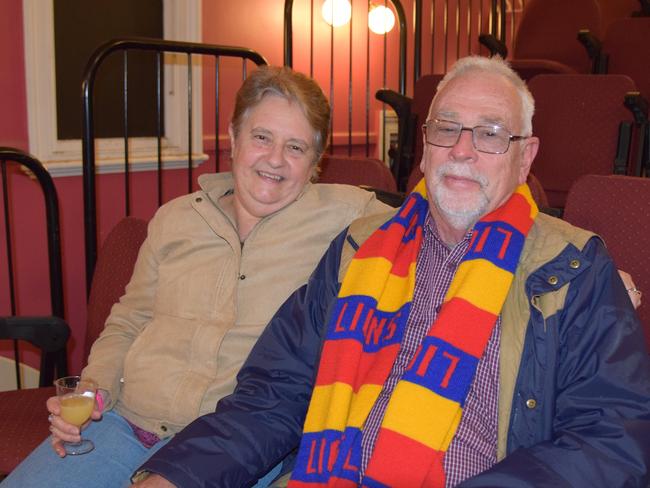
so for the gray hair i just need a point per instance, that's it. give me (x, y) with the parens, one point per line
(500, 67)
(292, 86)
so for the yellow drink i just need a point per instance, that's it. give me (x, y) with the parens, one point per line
(76, 408)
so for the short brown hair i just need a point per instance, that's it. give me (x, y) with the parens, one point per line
(293, 86)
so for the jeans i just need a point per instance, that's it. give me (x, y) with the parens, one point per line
(117, 454)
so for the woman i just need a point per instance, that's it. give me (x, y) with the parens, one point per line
(214, 268)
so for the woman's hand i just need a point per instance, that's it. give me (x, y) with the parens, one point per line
(634, 293)
(61, 430)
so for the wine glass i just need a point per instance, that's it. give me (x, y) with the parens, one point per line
(77, 399)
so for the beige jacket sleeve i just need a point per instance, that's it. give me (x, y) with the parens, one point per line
(127, 319)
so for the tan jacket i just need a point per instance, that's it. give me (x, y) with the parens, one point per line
(198, 300)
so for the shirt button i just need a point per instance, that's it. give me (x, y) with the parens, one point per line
(242, 277)
(163, 428)
(121, 380)
(531, 403)
(198, 199)
(552, 280)
(574, 264)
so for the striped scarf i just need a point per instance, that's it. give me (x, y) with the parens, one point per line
(363, 338)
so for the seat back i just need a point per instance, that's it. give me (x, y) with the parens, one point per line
(356, 171)
(577, 118)
(23, 417)
(612, 10)
(548, 31)
(617, 208)
(20, 242)
(627, 45)
(113, 271)
(423, 93)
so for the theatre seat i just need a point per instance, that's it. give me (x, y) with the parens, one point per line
(618, 209)
(24, 410)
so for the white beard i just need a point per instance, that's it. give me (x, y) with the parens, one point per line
(461, 211)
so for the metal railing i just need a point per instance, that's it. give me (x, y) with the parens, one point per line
(13, 324)
(160, 48)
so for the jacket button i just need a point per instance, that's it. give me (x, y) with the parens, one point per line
(198, 199)
(552, 280)
(242, 277)
(531, 403)
(163, 428)
(574, 264)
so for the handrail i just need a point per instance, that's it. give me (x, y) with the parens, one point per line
(54, 259)
(52, 220)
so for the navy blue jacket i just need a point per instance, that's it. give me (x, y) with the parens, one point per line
(586, 366)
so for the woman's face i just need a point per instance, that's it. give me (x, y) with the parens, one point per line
(273, 156)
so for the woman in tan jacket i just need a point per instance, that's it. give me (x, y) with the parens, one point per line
(214, 268)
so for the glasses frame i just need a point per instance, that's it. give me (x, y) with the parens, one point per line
(511, 138)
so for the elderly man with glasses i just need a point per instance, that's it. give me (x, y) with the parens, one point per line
(465, 339)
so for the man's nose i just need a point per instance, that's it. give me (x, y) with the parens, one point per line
(464, 148)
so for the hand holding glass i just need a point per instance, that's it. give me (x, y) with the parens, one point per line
(77, 398)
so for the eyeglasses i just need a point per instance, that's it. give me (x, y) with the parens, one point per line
(491, 139)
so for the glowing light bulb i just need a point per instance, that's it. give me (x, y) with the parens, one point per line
(380, 19)
(337, 12)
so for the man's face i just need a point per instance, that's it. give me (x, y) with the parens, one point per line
(464, 184)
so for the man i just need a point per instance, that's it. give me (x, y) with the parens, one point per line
(466, 339)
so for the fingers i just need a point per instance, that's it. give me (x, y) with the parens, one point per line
(57, 445)
(63, 430)
(96, 413)
(633, 292)
(53, 405)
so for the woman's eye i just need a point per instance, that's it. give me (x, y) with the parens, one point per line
(297, 149)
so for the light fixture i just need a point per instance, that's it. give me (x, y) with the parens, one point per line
(337, 12)
(380, 19)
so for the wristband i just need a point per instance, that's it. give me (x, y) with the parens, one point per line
(99, 398)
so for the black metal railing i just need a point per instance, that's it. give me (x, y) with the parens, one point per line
(159, 47)
(18, 327)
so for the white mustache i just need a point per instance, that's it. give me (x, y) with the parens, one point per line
(462, 171)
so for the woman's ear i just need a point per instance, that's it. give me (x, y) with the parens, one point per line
(231, 134)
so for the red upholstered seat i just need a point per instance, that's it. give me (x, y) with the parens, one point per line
(356, 171)
(112, 273)
(28, 426)
(627, 46)
(577, 119)
(546, 38)
(26, 408)
(618, 209)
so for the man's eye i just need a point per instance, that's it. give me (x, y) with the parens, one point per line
(260, 137)
(488, 132)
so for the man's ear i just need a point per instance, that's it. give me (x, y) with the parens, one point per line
(531, 146)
